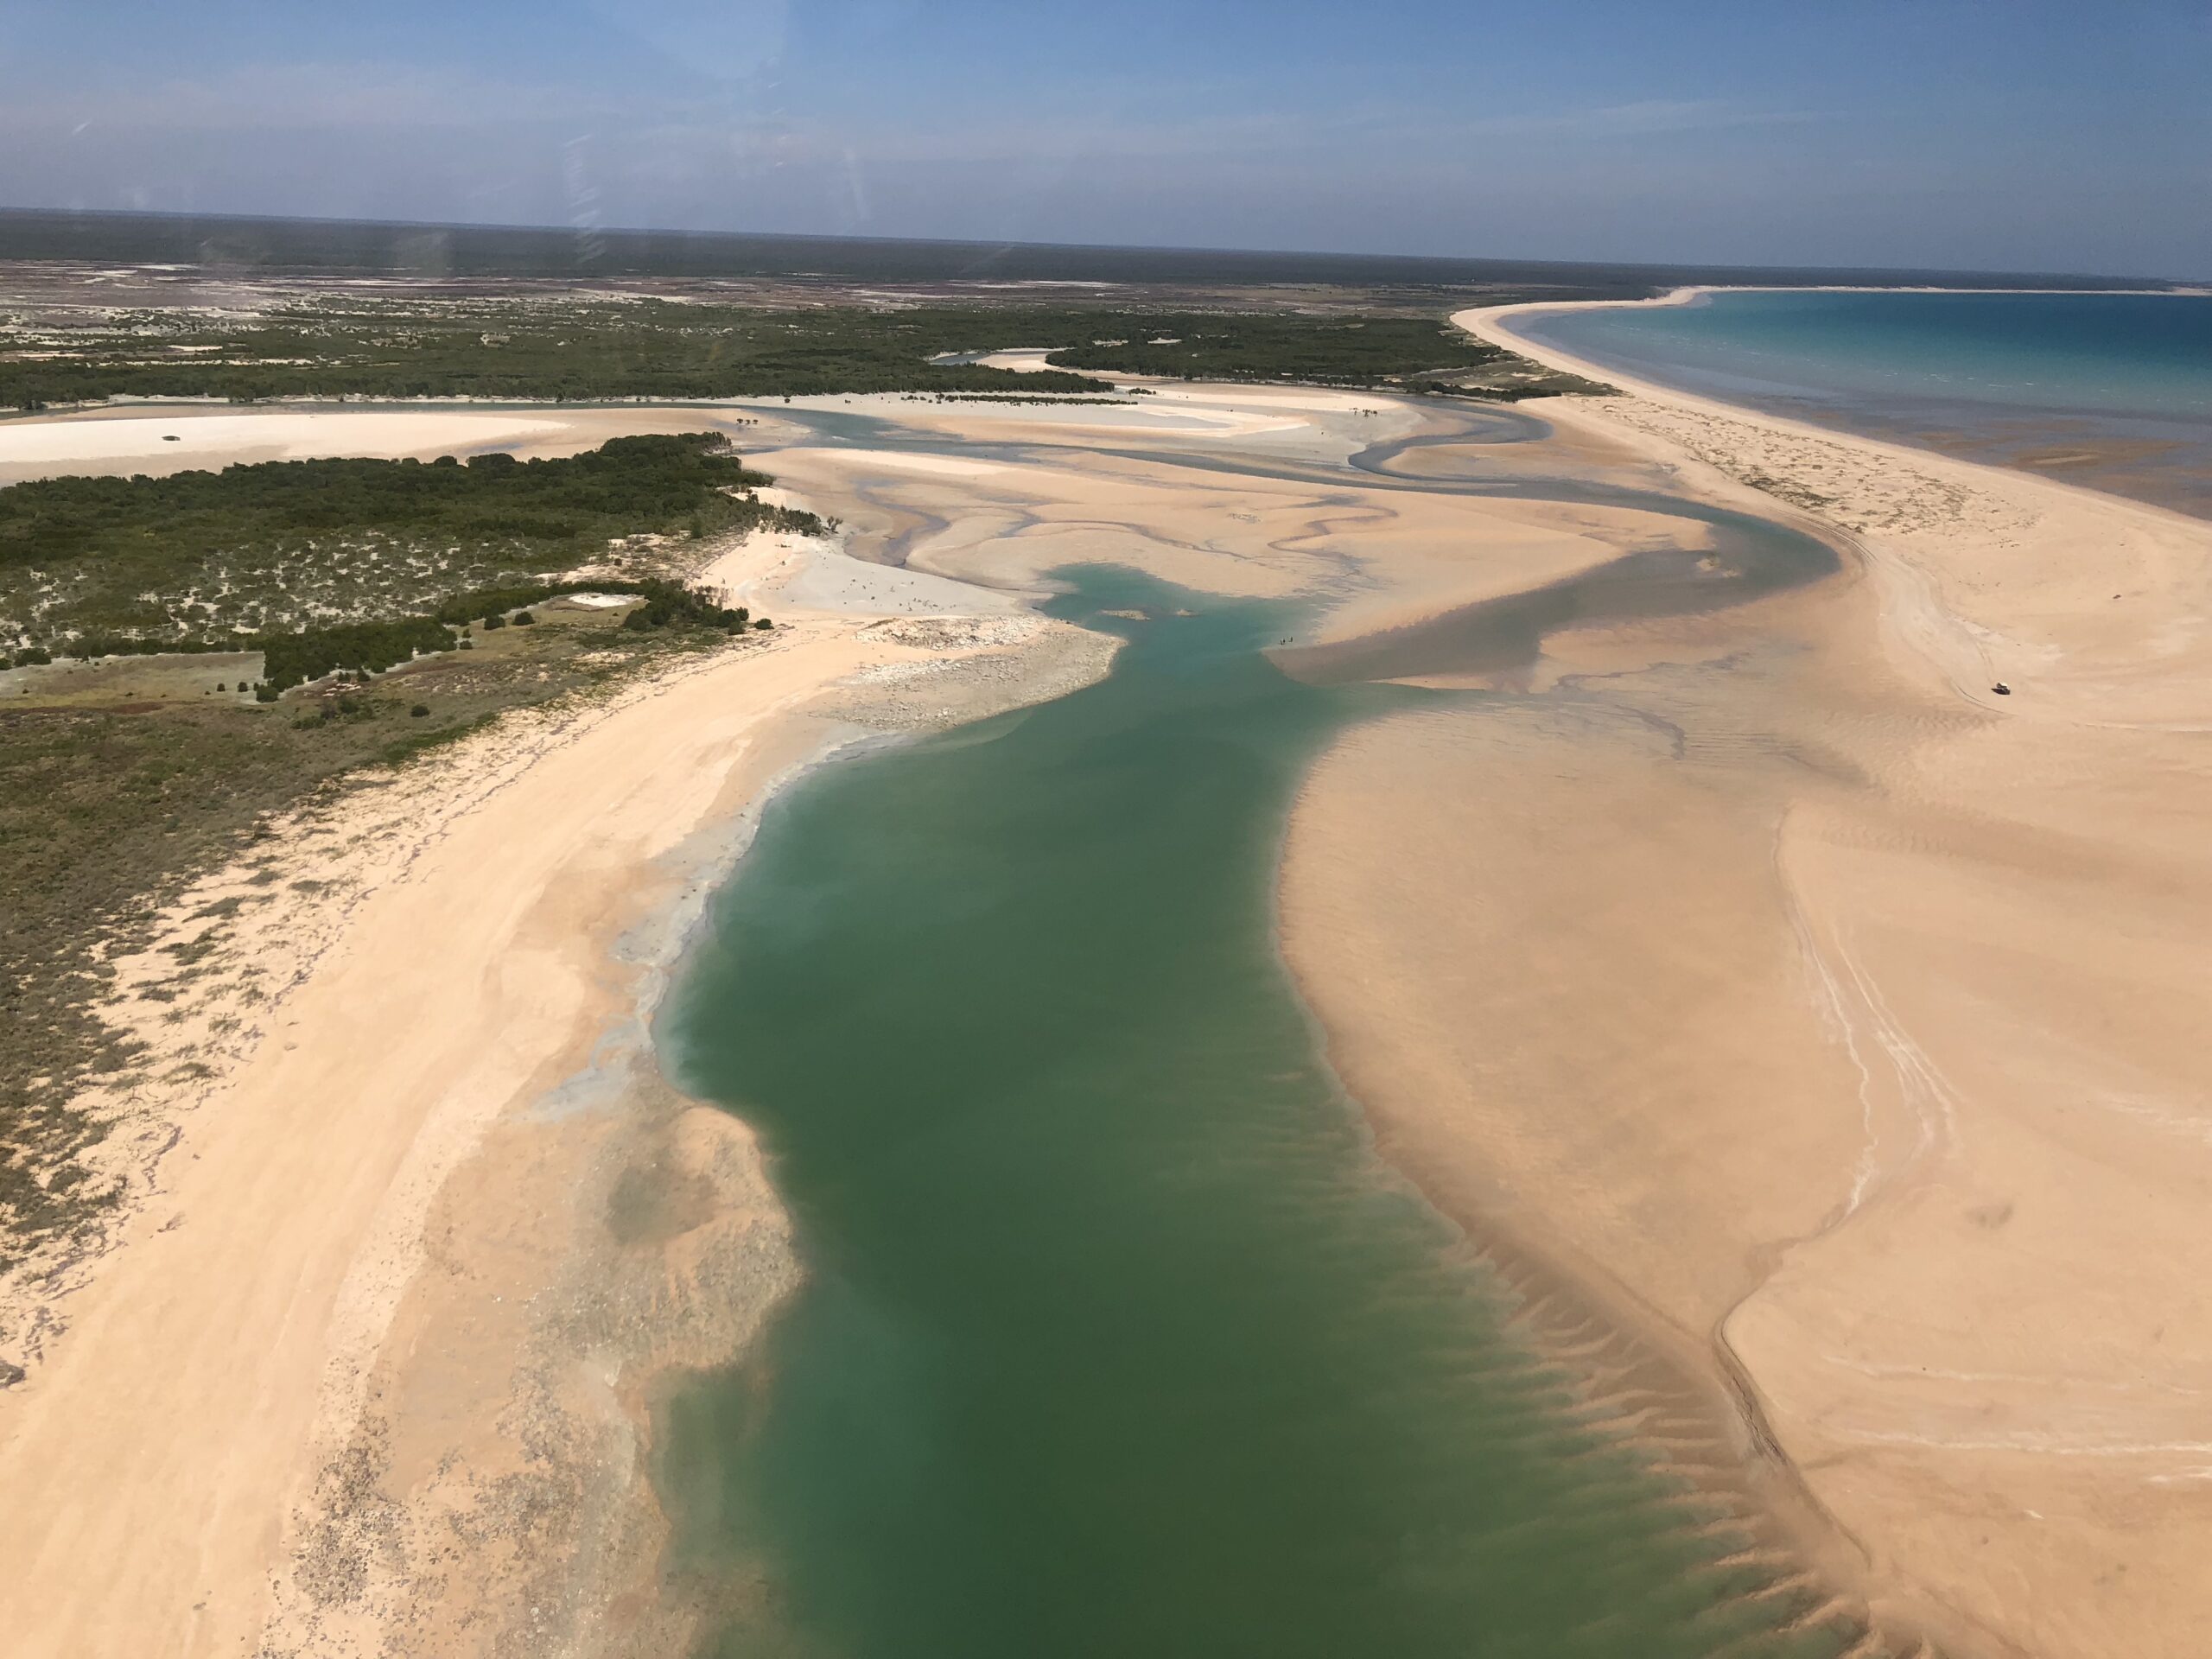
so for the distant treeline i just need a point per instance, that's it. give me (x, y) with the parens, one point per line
(1386, 353)
(256, 245)
(565, 351)
(259, 245)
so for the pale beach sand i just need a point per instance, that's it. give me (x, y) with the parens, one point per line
(1777, 983)
(176, 437)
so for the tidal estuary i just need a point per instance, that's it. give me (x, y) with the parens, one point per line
(1117, 1338)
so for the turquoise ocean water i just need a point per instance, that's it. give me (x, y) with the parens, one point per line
(2113, 391)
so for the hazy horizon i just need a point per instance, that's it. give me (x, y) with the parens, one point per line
(598, 234)
(1930, 137)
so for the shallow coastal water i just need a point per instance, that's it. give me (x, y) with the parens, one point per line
(2113, 391)
(1117, 1338)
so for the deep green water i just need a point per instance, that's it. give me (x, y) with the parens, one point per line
(1117, 1339)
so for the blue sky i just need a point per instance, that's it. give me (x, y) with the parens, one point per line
(1968, 134)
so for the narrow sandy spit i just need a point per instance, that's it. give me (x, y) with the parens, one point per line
(163, 438)
(1784, 986)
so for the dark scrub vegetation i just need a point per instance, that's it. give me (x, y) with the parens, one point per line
(208, 561)
(1393, 352)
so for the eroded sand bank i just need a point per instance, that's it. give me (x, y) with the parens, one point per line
(1777, 978)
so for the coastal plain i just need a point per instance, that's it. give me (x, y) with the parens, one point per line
(1802, 1025)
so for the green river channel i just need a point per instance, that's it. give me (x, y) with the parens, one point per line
(1117, 1338)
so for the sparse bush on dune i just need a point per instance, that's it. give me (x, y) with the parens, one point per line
(337, 570)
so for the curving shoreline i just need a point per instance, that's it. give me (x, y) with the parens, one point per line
(1804, 992)
(2153, 455)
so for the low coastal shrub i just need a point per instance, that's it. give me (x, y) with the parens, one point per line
(668, 602)
(402, 749)
(90, 647)
(292, 658)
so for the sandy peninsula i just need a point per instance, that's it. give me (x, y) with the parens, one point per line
(1777, 981)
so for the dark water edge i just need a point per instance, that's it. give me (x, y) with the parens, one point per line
(1117, 1338)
